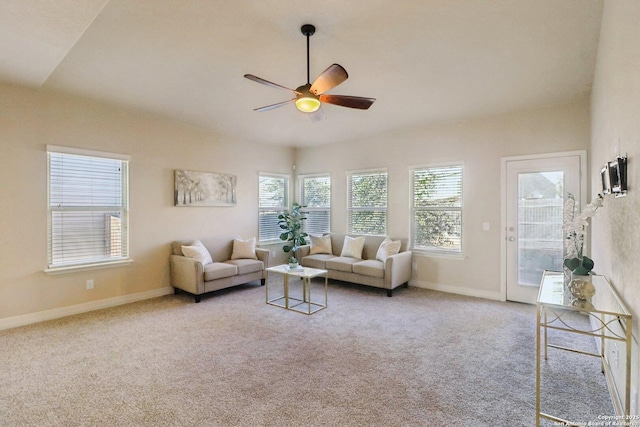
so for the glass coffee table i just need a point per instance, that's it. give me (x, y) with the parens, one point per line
(301, 303)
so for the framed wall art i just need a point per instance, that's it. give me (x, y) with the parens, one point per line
(193, 188)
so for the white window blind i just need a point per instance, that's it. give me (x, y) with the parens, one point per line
(273, 199)
(367, 203)
(437, 209)
(316, 196)
(88, 208)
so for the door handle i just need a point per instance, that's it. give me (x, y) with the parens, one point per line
(511, 239)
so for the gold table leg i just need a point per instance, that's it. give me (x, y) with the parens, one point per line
(546, 336)
(326, 291)
(538, 343)
(286, 291)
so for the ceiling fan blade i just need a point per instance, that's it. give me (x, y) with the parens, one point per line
(330, 78)
(317, 115)
(272, 106)
(268, 83)
(348, 101)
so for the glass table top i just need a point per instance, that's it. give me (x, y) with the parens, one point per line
(605, 299)
(301, 271)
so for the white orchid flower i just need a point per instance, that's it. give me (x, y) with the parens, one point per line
(574, 224)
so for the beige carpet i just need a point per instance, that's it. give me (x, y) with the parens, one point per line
(421, 358)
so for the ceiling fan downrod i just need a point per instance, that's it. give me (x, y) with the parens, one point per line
(308, 30)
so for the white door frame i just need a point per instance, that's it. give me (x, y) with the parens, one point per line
(503, 201)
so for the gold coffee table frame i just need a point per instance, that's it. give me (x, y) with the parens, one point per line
(304, 305)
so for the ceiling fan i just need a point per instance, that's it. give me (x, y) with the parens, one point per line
(309, 97)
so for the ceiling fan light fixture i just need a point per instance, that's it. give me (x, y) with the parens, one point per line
(307, 104)
(306, 101)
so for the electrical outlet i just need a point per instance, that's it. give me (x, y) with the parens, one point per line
(634, 400)
(414, 266)
(90, 284)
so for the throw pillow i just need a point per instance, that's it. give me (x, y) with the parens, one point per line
(320, 245)
(353, 247)
(387, 248)
(244, 249)
(198, 252)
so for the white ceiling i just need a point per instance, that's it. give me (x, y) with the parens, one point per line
(425, 61)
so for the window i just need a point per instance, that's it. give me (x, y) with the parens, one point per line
(367, 203)
(88, 208)
(436, 212)
(273, 199)
(315, 194)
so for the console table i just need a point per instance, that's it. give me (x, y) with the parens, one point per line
(609, 319)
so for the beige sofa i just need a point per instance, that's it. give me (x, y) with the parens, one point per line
(194, 277)
(393, 272)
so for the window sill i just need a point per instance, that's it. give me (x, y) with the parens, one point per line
(445, 255)
(84, 267)
(271, 243)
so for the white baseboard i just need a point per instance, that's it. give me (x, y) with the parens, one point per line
(470, 292)
(56, 313)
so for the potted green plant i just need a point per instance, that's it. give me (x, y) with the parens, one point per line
(291, 224)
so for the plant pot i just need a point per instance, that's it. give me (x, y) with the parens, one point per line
(581, 290)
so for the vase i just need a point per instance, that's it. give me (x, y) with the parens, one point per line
(569, 276)
(293, 265)
(581, 290)
(586, 277)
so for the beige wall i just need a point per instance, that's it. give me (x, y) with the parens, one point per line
(157, 146)
(615, 124)
(480, 144)
(616, 130)
(29, 120)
